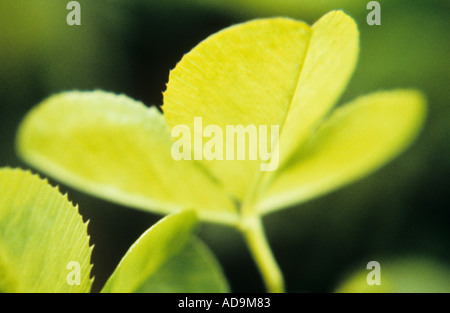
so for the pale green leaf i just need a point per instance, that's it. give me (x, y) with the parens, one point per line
(401, 275)
(193, 269)
(151, 251)
(355, 140)
(42, 235)
(329, 64)
(116, 148)
(265, 72)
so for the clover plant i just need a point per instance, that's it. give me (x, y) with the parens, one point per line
(272, 71)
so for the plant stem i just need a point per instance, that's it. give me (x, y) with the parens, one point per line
(255, 236)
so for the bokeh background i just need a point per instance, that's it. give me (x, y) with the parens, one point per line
(400, 212)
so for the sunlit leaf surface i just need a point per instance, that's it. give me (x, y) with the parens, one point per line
(264, 72)
(114, 147)
(357, 139)
(44, 246)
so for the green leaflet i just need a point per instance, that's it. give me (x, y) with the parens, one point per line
(41, 232)
(165, 259)
(193, 269)
(116, 148)
(150, 251)
(355, 140)
(243, 75)
(264, 72)
(327, 68)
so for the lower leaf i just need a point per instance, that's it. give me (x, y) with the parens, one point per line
(44, 246)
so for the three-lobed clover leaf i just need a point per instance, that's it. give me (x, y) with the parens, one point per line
(264, 72)
(44, 247)
(275, 71)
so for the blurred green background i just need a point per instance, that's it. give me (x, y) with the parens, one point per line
(129, 47)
